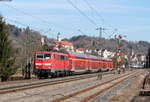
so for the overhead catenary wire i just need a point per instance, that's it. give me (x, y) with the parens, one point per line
(25, 25)
(101, 29)
(70, 2)
(34, 17)
(82, 13)
(94, 10)
(98, 14)
(44, 21)
(57, 27)
(18, 10)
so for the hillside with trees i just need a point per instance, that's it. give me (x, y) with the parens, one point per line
(83, 41)
(20, 37)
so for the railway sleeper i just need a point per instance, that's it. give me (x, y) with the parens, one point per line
(144, 93)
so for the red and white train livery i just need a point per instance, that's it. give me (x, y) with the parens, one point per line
(49, 63)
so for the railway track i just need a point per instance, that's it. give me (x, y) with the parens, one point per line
(86, 94)
(41, 83)
(146, 86)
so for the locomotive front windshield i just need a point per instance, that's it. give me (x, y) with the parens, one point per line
(43, 56)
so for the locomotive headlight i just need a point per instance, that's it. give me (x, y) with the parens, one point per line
(38, 64)
(47, 64)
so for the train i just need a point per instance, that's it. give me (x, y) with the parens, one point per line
(63, 63)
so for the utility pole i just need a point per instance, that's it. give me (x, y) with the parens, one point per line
(100, 40)
(27, 69)
(100, 31)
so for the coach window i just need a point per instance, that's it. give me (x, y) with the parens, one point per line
(66, 57)
(57, 57)
(62, 57)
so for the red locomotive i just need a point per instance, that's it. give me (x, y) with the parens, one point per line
(49, 63)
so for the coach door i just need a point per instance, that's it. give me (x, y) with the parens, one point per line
(72, 65)
(66, 62)
(63, 61)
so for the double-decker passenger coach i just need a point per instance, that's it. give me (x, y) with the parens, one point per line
(49, 63)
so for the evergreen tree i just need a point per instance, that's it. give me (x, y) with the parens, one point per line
(6, 59)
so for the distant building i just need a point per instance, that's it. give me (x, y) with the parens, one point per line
(63, 45)
(143, 57)
(58, 37)
(108, 54)
(80, 50)
(134, 58)
(42, 41)
(66, 45)
(89, 51)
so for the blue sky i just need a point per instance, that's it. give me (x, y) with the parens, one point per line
(130, 17)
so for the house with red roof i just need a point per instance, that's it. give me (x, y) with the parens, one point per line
(80, 50)
(64, 45)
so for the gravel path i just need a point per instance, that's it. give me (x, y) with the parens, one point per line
(105, 97)
(145, 86)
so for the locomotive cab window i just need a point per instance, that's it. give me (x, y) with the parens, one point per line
(39, 56)
(43, 56)
(47, 56)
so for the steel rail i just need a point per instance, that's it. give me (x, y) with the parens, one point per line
(92, 87)
(47, 83)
